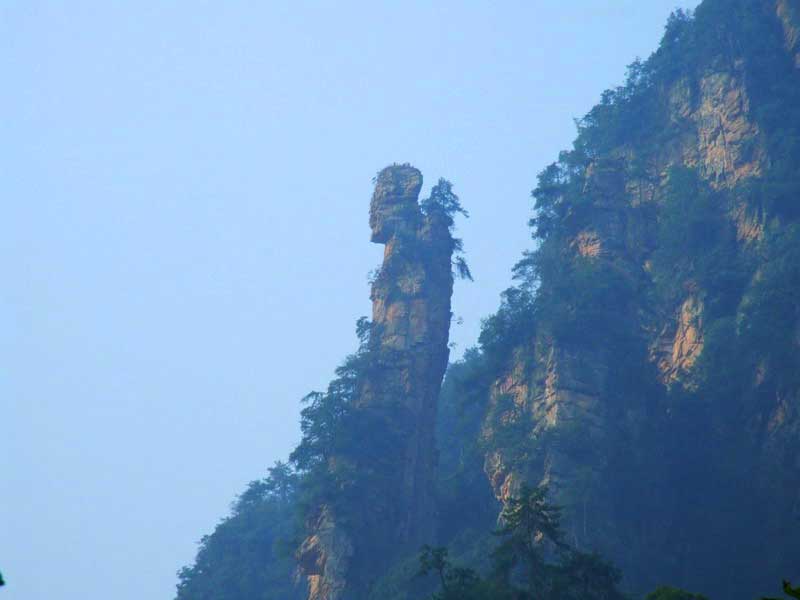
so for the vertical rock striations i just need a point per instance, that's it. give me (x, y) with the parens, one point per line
(410, 331)
(601, 411)
(406, 359)
(788, 12)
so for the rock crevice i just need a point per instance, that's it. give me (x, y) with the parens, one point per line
(407, 356)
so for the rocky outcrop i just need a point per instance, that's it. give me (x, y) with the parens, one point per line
(325, 556)
(410, 331)
(407, 357)
(788, 12)
(556, 387)
(717, 133)
(568, 395)
(632, 377)
(680, 341)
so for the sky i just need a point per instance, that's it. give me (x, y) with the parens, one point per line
(184, 240)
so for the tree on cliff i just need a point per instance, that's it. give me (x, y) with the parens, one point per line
(245, 556)
(794, 592)
(671, 593)
(529, 522)
(531, 526)
(458, 583)
(443, 198)
(444, 201)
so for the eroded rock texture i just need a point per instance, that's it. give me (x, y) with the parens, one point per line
(408, 354)
(587, 432)
(410, 331)
(788, 12)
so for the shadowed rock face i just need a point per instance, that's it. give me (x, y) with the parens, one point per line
(410, 330)
(408, 354)
(788, 12)
(394, 209)
(324, 557)
(556, 388)
(566, 386)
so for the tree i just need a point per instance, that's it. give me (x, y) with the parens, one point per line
(530, 525)
(794, 592)
(458, 583)
(245, 557)
(443, 198)
(443, 201)
(585, 576)
(671, 593)
(281, 482)
(529, 521)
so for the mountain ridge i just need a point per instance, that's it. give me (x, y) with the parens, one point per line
(644, 368)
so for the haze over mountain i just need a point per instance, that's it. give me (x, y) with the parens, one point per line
(630, 415)
(187, 238)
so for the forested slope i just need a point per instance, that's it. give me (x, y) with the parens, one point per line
(645, 368)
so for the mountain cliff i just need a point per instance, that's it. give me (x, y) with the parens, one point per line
(645, 367)
(646, 389)
(397, 386)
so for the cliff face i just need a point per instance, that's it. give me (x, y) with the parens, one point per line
(632, 426)
(406, 357)
(789, 13)
(646, 367)
(410, 332)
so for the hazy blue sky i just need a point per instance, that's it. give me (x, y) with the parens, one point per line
(184, 243)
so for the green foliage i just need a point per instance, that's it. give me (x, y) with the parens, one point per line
(687, 441)
(510, 326)
(793, 592)
(586, 301)
(550, 198)
(697, 246)
(246, 557)
(530, 525)
(344, 447)
(348, 458)
(509, 432)
(671, 593)
(690, 222)
(584, 576)
(771, 306)
(593, 306)
(462, 268)
(442, 198)
(462, 486)
(444, 203)
(458, 583)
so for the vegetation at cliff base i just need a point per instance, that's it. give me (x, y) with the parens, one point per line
(250, 553)
(644, 363)
(793, 592)
(531, 561)
(643, 248)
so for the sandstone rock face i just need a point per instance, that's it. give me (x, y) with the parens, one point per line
(720, 137)
(558, 389)
(563, 388)
(325, 557)
(681, 341)
(410, 331)
(394, 210)
(408, 355)
(788, 12)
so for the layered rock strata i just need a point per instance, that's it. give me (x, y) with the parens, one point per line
(407, 356)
